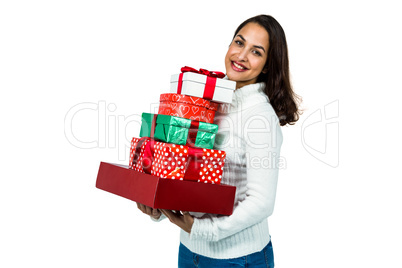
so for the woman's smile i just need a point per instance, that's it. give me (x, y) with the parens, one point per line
(238, 67)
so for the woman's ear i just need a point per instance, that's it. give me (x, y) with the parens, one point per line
(265, 69)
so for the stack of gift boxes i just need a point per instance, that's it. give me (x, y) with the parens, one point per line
(177, 143)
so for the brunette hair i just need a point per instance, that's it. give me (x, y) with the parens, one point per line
(276, 71)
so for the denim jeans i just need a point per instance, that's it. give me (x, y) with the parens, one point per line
(264, 258)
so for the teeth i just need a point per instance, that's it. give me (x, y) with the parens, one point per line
(238, 66)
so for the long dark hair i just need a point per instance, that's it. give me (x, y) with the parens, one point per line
(276, 71)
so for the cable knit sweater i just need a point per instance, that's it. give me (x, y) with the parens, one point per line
(250, 134)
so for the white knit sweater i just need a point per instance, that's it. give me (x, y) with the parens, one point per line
(250, 134)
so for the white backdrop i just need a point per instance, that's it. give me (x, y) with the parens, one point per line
(76, 75)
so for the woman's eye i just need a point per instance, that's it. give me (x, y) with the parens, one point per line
(256, 52)
(239, 42)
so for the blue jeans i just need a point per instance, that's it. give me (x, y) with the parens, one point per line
(264, 258)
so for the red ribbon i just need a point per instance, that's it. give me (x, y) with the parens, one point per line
(148, 156)
(192, 133)
(193, 164)
(153, 126)
(209, 85)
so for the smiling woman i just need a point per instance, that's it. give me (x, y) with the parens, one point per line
(249, 131)
(247, 54)
(275, 70)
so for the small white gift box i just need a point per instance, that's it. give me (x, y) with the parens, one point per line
(203, 86)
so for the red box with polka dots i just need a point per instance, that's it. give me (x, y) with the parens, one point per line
(178, 162)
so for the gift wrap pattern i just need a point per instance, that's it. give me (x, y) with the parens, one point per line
(181, 131)
(137, 164)
(189, 107)
(211, 167)
(174, 161)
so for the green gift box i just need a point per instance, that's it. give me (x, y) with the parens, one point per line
(178, 130)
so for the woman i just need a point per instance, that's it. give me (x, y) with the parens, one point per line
(249, 132)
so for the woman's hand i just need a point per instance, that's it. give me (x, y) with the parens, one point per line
(184, 220)
(154, 213)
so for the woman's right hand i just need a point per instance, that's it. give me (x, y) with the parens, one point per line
(154, 213)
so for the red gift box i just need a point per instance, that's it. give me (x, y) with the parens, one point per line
(179, 162)
(189, 107)
(161, 193)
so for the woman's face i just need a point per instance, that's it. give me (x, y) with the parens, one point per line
(247, 54)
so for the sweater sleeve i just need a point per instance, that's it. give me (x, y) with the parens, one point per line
(262, 139)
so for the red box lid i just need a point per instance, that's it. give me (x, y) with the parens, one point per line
(162, 193)
(173, 97)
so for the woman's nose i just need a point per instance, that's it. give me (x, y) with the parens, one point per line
(242, 55)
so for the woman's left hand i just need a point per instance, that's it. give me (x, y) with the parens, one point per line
(184, 220)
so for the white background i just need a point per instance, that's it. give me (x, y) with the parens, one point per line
(337, 206)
